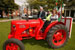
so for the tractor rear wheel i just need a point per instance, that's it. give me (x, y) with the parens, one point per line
(13, 44)
(57, 36)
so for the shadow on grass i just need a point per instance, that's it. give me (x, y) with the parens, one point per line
(33, 41)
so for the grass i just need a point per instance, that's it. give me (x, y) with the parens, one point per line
(33, 44)
(3, 18)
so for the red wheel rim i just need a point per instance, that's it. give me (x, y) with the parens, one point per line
(59, 37)
(12, 46)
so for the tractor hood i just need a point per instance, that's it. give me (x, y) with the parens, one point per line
(29, 22)
(24, 23)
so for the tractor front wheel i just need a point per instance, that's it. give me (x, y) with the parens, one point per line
(57, 36)
(13, 44)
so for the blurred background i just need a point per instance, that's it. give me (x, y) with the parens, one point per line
(18, 8)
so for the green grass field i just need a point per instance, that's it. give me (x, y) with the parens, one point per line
(33, 44)
(3, 18)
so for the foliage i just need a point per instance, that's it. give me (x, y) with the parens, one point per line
(49, 3)
(70, 3)
(36, 3)
(45, 3)
(7, 5)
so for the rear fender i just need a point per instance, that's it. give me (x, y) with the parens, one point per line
(50, 26)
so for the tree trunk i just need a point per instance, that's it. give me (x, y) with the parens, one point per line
(1, 15)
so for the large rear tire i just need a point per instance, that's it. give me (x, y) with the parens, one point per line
(57, 36)
(13, 44)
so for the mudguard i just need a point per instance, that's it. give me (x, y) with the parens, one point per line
(50, 26)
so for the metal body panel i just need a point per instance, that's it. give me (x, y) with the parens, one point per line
(22, 29)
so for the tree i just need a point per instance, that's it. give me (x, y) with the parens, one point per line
(50, 4)
(70, 2)
(7, 5)
(36, 3)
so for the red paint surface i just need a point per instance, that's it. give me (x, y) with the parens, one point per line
(31, 28)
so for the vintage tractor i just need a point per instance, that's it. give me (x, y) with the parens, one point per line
(56, 33)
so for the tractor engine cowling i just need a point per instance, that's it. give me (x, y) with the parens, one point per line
(23, 28)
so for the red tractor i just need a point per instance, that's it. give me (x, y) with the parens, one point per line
(56, 33)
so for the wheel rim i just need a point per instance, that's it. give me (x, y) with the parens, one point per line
(59, 37)
(12, 46)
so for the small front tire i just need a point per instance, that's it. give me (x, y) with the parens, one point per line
(13, 44)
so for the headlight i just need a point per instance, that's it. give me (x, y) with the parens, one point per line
(14, 26)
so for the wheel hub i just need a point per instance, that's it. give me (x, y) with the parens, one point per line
(59, 37)
(12, 46)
